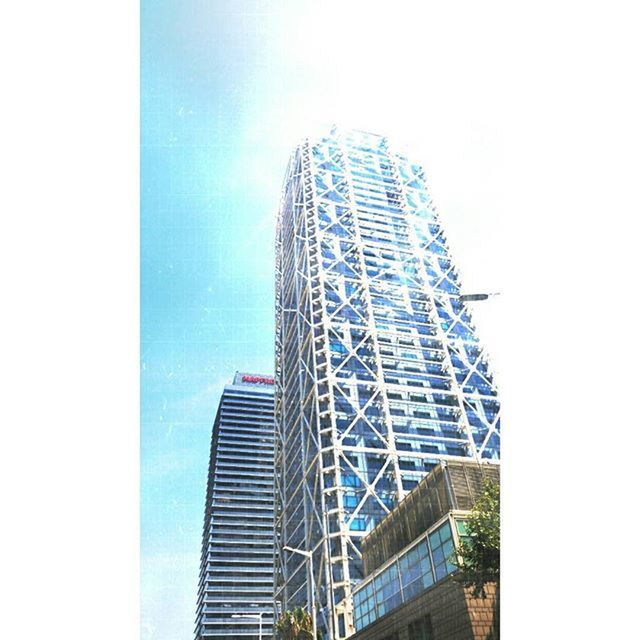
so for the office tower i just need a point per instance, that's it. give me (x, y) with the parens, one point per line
(379, 374)
(235, 594)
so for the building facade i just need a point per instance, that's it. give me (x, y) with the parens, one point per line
(447, 611)
(409, 592)
(235, 594)
(379, 373)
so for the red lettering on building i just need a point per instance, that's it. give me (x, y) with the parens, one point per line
(257, 380)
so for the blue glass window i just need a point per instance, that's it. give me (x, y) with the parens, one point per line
(441, 542)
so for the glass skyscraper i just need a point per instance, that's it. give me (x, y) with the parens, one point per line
(379, 373)
(235, 594)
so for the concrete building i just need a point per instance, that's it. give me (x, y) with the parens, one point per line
(235, 595)
(409, 592)
(379, 373)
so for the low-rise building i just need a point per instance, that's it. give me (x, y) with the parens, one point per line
(410, 592)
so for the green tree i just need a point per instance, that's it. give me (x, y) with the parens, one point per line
(479, 553)
(295, 625)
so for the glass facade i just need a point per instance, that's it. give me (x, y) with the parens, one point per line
(379, 373)
(236, 573)
(408, 574)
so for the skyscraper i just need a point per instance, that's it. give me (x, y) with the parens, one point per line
(379, 373)
(235, 594)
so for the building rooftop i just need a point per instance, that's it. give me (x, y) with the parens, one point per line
(451, 486)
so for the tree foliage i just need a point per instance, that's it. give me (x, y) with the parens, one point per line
(295, 625)
(479, 554)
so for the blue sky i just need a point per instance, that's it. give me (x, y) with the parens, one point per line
(227, 89)
(206, 281)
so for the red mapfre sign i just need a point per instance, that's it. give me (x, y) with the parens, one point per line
(257, 380)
